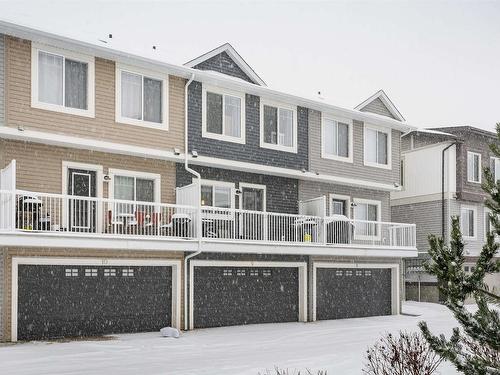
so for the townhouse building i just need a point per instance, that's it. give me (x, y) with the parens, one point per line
(452, 160)
(137, 194)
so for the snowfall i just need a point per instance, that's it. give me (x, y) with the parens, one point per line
(337, 346)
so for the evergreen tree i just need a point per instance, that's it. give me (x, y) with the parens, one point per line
(475, 347)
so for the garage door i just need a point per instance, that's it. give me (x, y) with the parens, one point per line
(225, 296)
(64, 301)
(352, 293)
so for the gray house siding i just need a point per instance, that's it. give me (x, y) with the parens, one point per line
(250, 151)
(356, 169)
(312, 189)
(222, 63)
(281, 193)
(2, 79)
(378, 107)
(427, 217)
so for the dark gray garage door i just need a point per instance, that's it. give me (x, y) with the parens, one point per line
(225, 296)
(352, 293)
(66, 301)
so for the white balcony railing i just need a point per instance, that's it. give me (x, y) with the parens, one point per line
(57, 213)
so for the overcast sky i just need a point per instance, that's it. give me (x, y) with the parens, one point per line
(438, 61)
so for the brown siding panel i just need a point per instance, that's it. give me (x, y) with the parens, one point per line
(39, 167)
(103, 126)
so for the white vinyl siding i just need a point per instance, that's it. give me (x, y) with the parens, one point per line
(62, 81)
(223, 115)
(473, 167)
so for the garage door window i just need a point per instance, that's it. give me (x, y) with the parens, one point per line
(108, 272)
(91, 272)
(71, 272)
(128, 272)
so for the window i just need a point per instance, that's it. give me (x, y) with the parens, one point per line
(240, 272)
(90, 272)
(368, 273)
(473, 167)
(135, 186)
(266, 273)
(227, 272)
(62, 81)
(254, 272)
(223, 115)
(278, 128)
(217, 194)
(368, 212)
(468, 221)
(340, 205)
(402, 173)
(495, 168)
(359, 273)
(141, 98)
(127, 272)
(71, 272)
(337, 140)
(338, 273)
(109, 272)
(377, 147)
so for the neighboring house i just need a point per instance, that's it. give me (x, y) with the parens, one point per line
(442, 171)
(104, 228)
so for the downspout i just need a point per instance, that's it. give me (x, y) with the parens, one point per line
(198, 217)
(442, 188)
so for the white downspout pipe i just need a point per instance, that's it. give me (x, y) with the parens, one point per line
(198, 216)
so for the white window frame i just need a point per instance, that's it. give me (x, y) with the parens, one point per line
(214, 183)
(472, 154)
(474, 224)
(389, 146)
(279, 106)
(346, 198)
(224, 92)
(118, 97)
(253, 186)
(137, 174)
(496, 161)
(377, 203)
(89, 60)
(324, 154)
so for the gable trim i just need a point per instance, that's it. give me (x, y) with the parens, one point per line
(235, 56)
(380, 94)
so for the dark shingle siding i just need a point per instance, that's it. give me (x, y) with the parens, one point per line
(281, 193)
(223, 63)
(251, 151)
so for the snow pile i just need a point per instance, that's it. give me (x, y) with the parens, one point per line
(170, 332)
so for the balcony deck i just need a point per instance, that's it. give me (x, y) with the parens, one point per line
(30, 218)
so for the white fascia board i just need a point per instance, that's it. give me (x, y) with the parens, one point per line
(96, 241)
(151, 153)
(200, 75)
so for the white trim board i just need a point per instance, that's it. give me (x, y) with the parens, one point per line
(302, 269)
(395, 280)
(176, 278)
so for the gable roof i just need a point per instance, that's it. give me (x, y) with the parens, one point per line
(381, 96)
(235, 56)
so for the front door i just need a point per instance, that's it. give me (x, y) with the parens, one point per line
(253, 223)
(82, 212)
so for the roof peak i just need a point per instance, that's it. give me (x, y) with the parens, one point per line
(234, 55)
(381, 95)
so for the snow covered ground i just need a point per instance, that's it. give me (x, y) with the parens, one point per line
(336, 346)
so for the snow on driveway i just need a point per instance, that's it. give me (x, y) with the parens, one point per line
(337, 346)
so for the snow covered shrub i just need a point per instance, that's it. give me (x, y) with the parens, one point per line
(402, 354)
(278, 371)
